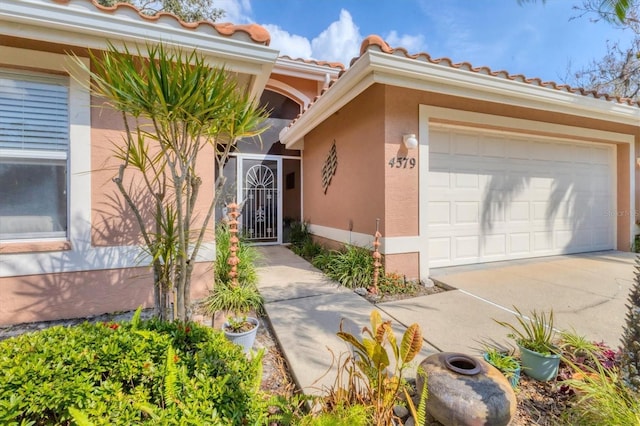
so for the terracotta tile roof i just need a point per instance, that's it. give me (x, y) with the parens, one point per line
(255, 32)
(376, 42)
(337, 65)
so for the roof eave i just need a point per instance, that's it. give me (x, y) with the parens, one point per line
(306, 70)
(413, 73)
(355, 81)
(81, 24)
(400, 71)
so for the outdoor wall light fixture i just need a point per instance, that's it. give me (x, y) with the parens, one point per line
(410, 141)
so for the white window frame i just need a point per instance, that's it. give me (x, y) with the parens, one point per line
(42, 156)
(23, 257)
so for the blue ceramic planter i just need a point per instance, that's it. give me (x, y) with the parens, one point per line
(539, 366)
(514, 378)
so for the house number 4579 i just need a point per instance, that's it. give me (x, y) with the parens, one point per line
(402, 162)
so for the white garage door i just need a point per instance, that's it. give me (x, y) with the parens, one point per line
(497, 196)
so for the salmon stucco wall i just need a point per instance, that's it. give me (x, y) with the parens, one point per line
(355, 196)
(80, 294)
(113, 222)
(407, 264)
(402, 197)
(309, 88)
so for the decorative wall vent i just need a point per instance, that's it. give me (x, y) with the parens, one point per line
(329, 167)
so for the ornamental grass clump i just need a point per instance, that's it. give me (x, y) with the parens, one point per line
(235, 289)
(535, 332)
(630, 356)
(352, 267)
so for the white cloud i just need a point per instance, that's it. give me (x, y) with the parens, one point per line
(288, 44)
(339, 42)
(235, 11)
(413, 44)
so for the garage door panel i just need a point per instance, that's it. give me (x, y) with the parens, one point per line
(493, 148)
(464, 144)
(439, 179)
(439, 213)
(465, 179)
(520, 243)
(466, 213)
(439, 143)
(495, 245)
(516, 198)
(520, 211)
(440, 251)
(466, 247)
(518, 149)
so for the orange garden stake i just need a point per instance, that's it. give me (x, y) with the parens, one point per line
(376, 259)
(233, 248)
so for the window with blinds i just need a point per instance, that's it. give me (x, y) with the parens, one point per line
(34, 145)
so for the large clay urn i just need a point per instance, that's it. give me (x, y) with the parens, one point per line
(464, 390)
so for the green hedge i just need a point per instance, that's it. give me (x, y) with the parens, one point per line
(143, 372)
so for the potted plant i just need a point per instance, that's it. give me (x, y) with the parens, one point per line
(235, 291)
(539, 356)
(508, 364)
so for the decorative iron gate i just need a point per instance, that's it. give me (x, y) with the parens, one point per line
(260, 197)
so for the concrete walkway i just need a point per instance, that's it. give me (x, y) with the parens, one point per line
(587, 292)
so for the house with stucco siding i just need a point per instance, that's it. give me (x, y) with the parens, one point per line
(454, 164)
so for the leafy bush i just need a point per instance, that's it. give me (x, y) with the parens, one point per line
(352, 267)
(355, 415)
(393, 283)
(142, 372)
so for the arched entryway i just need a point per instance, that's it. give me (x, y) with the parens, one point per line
(265, 178)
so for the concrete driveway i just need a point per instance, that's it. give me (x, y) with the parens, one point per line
(587, 292)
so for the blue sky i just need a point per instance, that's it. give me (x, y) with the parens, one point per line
(535, 39)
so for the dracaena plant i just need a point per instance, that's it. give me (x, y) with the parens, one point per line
(383, 373)
(535, 332)
(175, 108)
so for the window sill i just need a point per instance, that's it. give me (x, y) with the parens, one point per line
(33, 246)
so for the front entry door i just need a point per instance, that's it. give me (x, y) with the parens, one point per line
(260, 197)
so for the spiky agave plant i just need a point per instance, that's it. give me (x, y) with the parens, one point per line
(630, 362)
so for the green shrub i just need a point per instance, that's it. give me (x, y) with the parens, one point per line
(247, 254)
(143, 372)
(355, 415)
(352, 267)
(393, 283)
